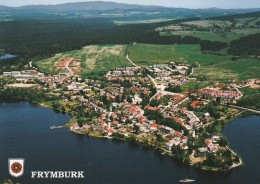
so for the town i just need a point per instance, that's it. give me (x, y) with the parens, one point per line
(145, 105)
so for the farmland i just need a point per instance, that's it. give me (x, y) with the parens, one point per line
(94, 59)
(214, 30)
(223, 37)
(147, 54)
(241, 69)
(213, 67)
(146, 21)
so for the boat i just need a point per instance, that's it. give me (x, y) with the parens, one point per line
(186, 180)
(55, 127)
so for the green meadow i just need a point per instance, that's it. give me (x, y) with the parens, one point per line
(147, 54)
(223, 37)
(93, 59)
(241, 69)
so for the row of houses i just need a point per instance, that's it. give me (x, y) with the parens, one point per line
(219, 93)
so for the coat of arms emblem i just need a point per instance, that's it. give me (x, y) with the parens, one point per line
(16, 167)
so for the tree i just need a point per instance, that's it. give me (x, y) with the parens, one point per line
(129, 99)
(154, 103)
(218, 100)
(223, 141)
(136, 128)
(81, 121)
(128, 121)
(117, 99)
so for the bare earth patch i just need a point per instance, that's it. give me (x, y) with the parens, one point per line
(21, 85)
(255, 86)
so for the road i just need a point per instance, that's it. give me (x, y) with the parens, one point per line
(159, 87)
(243, 108)
(127, 57)
(68, 68)
(241, 95)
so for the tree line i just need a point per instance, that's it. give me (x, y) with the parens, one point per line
(35, 39)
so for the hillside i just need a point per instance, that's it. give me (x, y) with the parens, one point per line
(86, 6)
(212, 67)
(92, 60)
(120, 11)
(238, 34)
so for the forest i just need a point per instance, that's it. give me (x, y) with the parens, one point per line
(39, 37)
(249, 45)
(35, 39)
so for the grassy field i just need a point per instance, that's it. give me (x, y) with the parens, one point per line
(208, 23)
(121, 22)
(147, 54)
(250, 91)
(194, 84)
(214, 67)
(239, 29)
(94, 59)
(223, 37)
(144, 54)
(241, 69)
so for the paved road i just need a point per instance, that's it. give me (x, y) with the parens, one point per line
(241, 95)
(251, 110)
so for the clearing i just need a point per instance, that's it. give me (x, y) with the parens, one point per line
(94, 59)
(148, 54)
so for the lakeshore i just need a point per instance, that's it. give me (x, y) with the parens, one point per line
(90, 154)
(145, 105)
(163, 151)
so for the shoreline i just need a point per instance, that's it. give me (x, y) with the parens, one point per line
(165, 152)
(162, 151)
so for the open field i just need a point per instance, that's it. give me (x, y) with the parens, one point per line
(94, 59)
(250, 91)
(148, 54)
(223, 37)
(241, 69)
(204, 35)
(144, 54)
(21, 85)
(214, 67)
(147, 21)
(208, 23)
(214, 30)
(194, 85)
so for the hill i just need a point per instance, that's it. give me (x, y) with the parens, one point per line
(5, 8)
(224, 29)
(122, 10)
(93, 60)
(86, 6)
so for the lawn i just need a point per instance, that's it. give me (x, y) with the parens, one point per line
(94, 59)
(148, 54)
(250, 91)
(194, 85)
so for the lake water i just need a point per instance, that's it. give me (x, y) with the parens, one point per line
(25, 133)
(7, 56)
